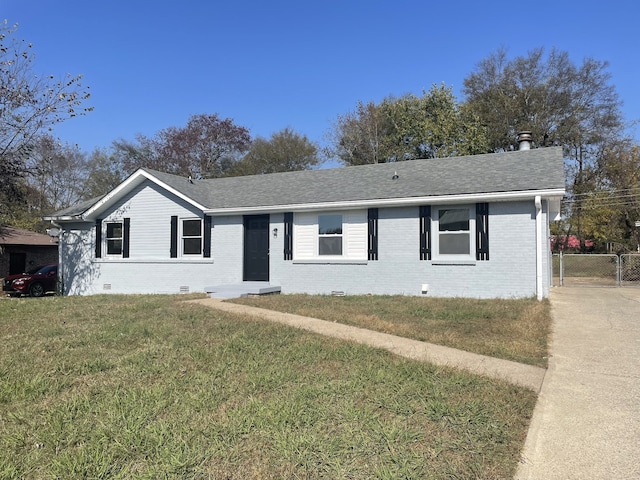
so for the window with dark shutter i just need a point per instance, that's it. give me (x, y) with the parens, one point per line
(288, 236)
(174, 237)
(425, 232)
(482, 231)
(372, 217)
(98, 238)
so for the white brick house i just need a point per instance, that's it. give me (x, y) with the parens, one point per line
(474, 226)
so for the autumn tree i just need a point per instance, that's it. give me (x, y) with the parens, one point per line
(30, 105)
(207, 147)
(284, 151)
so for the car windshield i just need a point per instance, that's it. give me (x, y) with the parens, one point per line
(45, 270)
(34, 270)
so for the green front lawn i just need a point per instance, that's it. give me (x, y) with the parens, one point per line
(153, 387)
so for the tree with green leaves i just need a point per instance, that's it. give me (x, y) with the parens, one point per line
(284, 151)
(433, 125)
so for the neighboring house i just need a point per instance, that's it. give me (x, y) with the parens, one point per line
(21, 250)
(474, 226)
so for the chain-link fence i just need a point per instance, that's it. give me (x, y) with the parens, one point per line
(630, 269)
(577, 269)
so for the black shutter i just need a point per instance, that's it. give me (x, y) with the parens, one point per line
(98, 238)
(125, 238)
(482, 231)
(425, 232)
(373, 233)
(206, 252)
(288, 236)
(174, 236)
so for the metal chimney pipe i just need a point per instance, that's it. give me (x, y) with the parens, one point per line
(524, 140)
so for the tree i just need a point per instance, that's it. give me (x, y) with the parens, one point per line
(432, 126)
(407, 128)
(285, 151)
(620, 167)
(357, 136)
(104, 174)
(57, 174)
(207, 147)
(559, 102)
(30, 104)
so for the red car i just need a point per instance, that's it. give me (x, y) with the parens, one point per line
(36, 282)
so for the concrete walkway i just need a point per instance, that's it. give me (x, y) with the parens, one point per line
(586, 424)
(517, 373)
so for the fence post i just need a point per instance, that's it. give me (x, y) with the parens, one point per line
(561, 270)
(619, 269)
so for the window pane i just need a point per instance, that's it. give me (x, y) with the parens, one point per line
(192, 246)
(114, 230)
(191, 228)
(330, 245)
(330, 224)
(453, 219)
(114, 246)
(454, 244)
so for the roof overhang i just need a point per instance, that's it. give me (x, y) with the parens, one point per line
(554, 195)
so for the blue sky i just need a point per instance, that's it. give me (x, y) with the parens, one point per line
(270, 65)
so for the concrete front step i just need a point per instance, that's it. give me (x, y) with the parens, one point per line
(243, 289)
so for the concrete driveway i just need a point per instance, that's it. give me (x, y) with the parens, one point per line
(586, 424)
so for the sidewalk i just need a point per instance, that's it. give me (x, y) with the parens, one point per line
(517, 373)
(586, 424)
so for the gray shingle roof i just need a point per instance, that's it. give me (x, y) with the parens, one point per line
(537, 169)
(519, 171)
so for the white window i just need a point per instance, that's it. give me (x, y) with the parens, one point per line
(452, 233)
(114, 238)
(192, 237)
(330, 235)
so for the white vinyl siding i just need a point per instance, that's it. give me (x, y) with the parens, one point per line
(306, 237)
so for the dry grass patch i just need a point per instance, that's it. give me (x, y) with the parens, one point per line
(515, 330)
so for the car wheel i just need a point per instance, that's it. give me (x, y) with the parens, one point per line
(36, 290)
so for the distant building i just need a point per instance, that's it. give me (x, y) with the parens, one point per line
(21, 250)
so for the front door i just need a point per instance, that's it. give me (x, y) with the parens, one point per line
(17, 262)
(256, 248)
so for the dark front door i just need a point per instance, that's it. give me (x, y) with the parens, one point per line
(17, 262)
(256, 248)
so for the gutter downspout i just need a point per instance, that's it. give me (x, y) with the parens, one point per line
(538, 202)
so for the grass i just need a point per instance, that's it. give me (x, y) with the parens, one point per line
(144, 387)
(510, 329)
